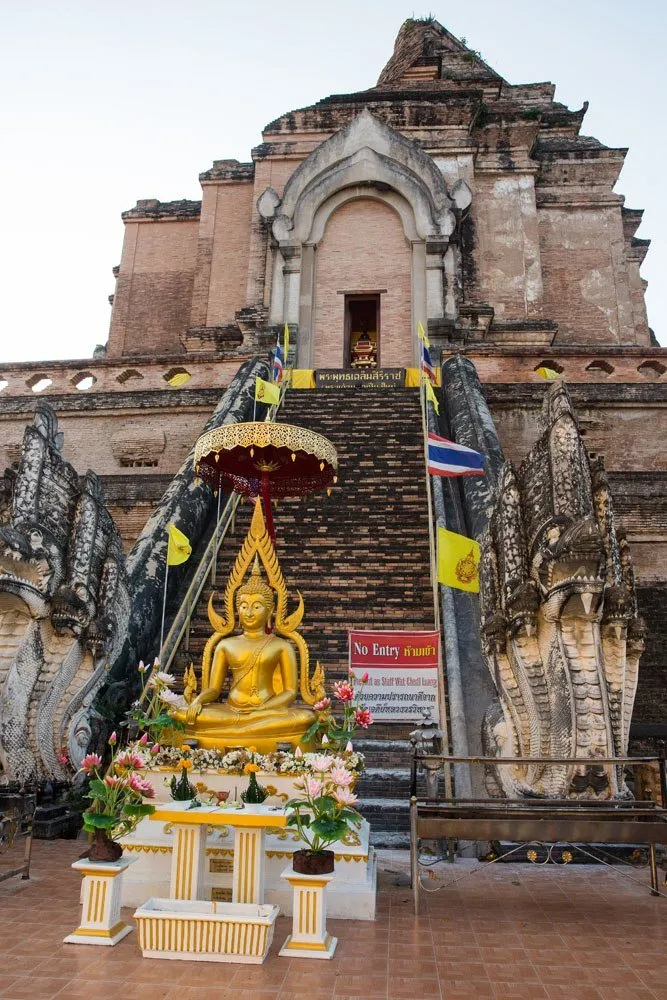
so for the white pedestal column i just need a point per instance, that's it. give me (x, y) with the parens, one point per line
(248, 878)
(309, 938)
(100, 911)
(187, 861)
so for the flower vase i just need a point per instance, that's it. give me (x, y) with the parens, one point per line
(103, 848)
(307, 862)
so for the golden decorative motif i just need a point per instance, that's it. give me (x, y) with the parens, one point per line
(283, 834)
(531, 855)
(566, 857)
(265, 435)
(351, 839)
(466, 568)
(147, 848)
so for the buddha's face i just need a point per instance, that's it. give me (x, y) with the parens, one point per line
(254, 611)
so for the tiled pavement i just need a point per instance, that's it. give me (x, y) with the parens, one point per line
(580, 933)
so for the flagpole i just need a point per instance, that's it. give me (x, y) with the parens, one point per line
(442, 707)
(164, 608)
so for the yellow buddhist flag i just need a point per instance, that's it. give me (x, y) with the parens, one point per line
(547, 373)
(458, 561)
(286, 344)
(179, 378)
(178, 547)
(266, 392)
(431, 396)
(422, 334)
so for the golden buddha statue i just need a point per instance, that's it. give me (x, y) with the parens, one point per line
(364, 354)
(262, 661)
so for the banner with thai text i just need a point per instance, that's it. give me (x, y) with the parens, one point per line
(402, 669)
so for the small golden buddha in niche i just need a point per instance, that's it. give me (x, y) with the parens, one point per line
(262, 664)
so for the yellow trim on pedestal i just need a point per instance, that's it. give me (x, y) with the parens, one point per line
(310, 883)
(309, 945)
(91, 932)
(227, 818)
(96, 873)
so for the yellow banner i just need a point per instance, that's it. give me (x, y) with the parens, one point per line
(178, 547)
(458, 561)
(421, 333)
(286, 358)
(302, 378)
(431, 396)
(413, 377)
(547, 373)
(266, 392)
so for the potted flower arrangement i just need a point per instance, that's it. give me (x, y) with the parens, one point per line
(180, 788)
(149, 713)
(338, 732)
(324, 813)
(254, 793)
(116, 799)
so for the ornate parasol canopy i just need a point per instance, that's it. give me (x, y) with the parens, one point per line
(266, 459)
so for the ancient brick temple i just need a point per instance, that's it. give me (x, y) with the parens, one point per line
(443, 195)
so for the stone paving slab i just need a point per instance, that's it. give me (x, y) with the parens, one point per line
(515, 932)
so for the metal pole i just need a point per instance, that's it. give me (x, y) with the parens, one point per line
(414, 855)
(214, 563)
(442, 713)
(164, 607)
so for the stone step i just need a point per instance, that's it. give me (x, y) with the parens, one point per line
(360, 557)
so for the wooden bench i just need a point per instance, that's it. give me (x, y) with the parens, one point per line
(569, 822)
(16, 814)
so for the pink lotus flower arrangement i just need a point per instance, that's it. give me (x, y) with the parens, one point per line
(117, 794)
(324, 813)
(339, 731)
(150, 712)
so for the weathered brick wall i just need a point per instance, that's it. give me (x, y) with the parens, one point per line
(506, 249)
(586, 289)
(364, 249)
(651, 700)
(152, 302)
(222, 253)
(138, 437)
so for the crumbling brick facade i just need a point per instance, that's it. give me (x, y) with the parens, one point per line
(467, 203)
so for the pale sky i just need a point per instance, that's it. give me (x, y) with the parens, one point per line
(105, 103)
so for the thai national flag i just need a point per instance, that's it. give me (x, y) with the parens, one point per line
(446, 458)
(278, 363)
(426, 366)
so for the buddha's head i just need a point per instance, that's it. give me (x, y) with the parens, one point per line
(255, 602)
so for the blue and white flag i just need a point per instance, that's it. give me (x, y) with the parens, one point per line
(447, 458)
(425, 364)
(278, 362)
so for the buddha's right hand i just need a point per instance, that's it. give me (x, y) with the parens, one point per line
(194, 708)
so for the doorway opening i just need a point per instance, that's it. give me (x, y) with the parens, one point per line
(362, 331)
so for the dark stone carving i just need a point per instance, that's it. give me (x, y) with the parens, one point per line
(64, 605)
(560, 629)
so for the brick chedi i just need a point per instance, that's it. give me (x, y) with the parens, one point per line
(444, 195)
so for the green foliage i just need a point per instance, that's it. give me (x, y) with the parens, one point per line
(181, 789)
(98, 821)
(254, 793)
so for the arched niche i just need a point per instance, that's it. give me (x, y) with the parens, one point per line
(367, 159)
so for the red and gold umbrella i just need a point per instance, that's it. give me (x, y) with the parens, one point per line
(266, 459)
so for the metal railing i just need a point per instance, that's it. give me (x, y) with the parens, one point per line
(225, 523)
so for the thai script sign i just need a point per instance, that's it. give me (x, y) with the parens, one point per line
(402, 670)
(343, 378)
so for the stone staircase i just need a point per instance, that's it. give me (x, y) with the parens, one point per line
(360, 558)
